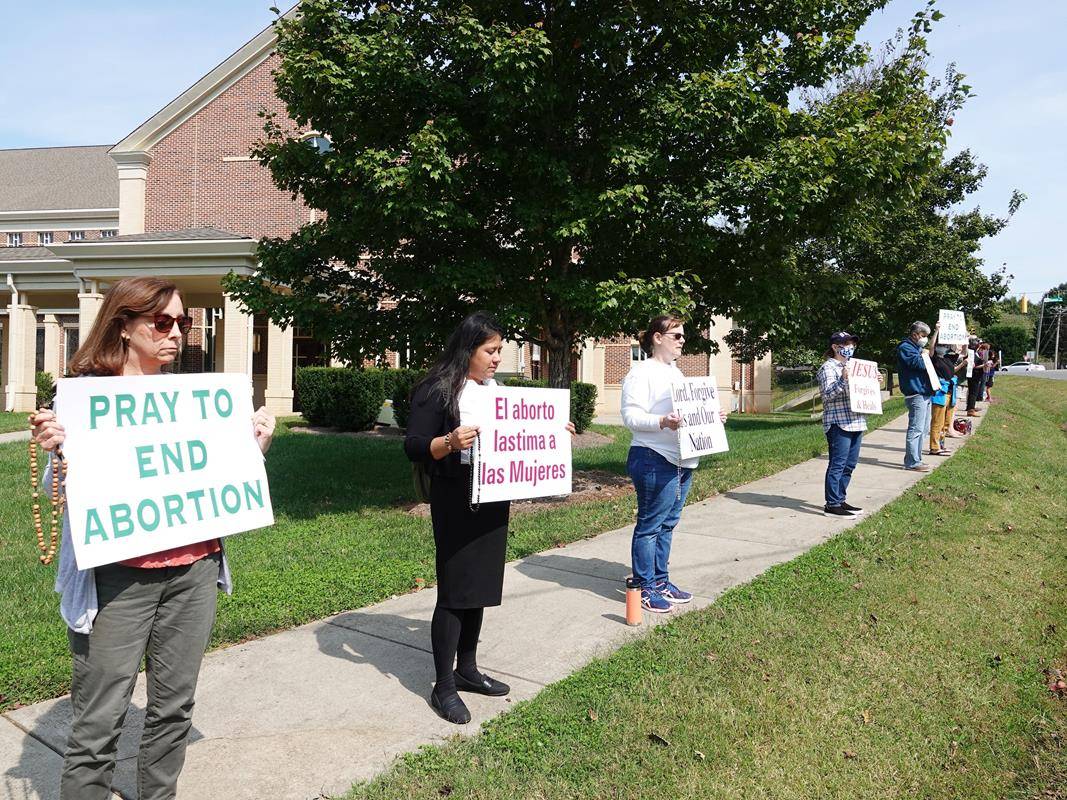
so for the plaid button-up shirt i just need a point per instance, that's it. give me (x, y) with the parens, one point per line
(836, 409)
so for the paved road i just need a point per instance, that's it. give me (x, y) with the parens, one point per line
(1051, 374)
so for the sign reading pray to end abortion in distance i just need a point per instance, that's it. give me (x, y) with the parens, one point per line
(524, 447)
(931, 373)
(953, 328)
(159, 461)
(696, 401)
(864, 386)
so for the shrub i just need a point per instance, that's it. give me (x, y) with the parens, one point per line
(583, 399)
(340, 397)
(46, 389)
(403, 381)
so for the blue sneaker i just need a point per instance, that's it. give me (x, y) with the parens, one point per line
(652, 600)
(672, 594)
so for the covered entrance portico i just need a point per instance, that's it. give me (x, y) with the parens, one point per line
(71, 278)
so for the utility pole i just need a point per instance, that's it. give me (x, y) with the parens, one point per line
(1056, 356)
(1040, 319)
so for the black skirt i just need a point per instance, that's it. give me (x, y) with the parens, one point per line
(471, 545)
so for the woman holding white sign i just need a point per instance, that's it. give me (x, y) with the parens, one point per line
(471, 543)
(160, 607)
(843, 427)
(661, 476)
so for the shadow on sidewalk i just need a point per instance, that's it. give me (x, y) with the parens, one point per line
(595, 575)
(776, 501)
(394, 648)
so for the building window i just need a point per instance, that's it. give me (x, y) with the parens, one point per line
(46, 237)
(14, 240)
(72, 339)
(111, 234)
(319, 142)
(77, 236)
(636, 353)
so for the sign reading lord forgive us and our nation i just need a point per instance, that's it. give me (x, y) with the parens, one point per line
(696, 401)
(159, 461)
(864, 386)
(524, 448)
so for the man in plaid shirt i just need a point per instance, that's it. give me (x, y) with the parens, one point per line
(843, 427)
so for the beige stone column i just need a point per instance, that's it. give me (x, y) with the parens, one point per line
(88, 307)
(53, 359)
(133, 177)
(21, 390)
(278, 396)
(5, 359)
(235, 338)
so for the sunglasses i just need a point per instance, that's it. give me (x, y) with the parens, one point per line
(164, 323)
(676, 336)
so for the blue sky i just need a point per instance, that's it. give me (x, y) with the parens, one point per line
(81, 73)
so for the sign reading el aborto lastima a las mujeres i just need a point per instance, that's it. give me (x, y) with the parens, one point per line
(524, 447)
(159, 461)
(696, 401)
(864, 386)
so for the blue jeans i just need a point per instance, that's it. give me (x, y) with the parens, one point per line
(918, 425)
(661, 491)
(844, 455)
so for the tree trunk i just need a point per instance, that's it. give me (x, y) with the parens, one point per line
(560, 359)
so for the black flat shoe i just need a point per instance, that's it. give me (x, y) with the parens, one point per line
(451, 708)
(487, 685)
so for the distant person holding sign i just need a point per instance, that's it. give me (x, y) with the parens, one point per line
(471, 543)
(661, 476)
(917, 389)
(160, 606)
(948, 366)
(976, 356)
(843, 427)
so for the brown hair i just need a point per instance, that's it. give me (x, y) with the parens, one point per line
(660, 324)
(103, 352)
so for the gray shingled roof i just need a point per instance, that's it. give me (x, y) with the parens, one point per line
(186, 235)
(48, 178)
(27, 254)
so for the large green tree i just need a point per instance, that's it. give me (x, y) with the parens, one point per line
(575, 166)
(891, 261)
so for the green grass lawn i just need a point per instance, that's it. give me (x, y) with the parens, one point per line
(13, 421)
(902, 659)
(340, 541)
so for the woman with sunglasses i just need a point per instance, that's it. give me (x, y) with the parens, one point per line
(159, 606)
(660, 475)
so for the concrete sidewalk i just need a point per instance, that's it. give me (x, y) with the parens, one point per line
(308, 712)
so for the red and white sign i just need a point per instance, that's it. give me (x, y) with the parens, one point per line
(864, 386)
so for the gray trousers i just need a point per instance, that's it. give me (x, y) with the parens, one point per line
(164, 615)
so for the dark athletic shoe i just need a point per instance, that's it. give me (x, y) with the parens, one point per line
(672, 594)
(836, 511)
(852, 509)
(485, 685)
(451, 708)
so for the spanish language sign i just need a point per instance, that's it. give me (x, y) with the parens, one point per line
(931, 373)
(696, 401)
(523, 448)
(864, 386)
(953, 328)
(159, 461)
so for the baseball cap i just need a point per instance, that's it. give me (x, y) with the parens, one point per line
(843, 337)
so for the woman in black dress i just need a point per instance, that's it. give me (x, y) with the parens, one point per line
(471, 544)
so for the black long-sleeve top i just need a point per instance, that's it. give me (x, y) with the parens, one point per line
(429, 418)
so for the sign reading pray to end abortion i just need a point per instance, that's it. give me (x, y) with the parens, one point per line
(524, 447)
(696, 401)
(159, 461)
(953, 328)
(864, 386)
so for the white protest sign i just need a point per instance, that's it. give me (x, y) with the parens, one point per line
(931, 373)
(524, 447)
(696, 401)
(864, 386)
(970, 362)
(159, 461)
(953, 328)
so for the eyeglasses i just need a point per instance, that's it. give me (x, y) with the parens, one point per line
(678, 337)
(164, 323)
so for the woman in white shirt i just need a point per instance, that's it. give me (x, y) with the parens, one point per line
(660, 475)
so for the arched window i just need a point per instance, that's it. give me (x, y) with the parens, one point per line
(318, 141)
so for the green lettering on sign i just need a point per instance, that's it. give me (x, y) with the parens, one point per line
(93, 526)
(124, 405)
(121, 520)
(153, 509)
(144, 457)
(98, 407)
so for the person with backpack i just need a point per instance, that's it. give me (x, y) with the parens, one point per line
(471, 543)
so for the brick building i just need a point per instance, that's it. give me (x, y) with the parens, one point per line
(182, 197)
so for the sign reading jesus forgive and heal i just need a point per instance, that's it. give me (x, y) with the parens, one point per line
(524, 447)
(864, 386)
(696, 401)
(159, 461)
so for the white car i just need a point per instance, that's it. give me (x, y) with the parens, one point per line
(1023, 366)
